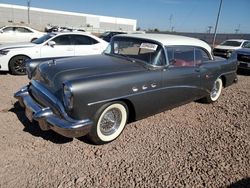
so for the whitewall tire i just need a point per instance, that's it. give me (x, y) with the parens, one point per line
(215, 92)
(109, 123)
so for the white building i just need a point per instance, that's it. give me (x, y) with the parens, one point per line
(39, 18)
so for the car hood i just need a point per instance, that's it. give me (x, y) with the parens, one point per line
(54, 72)
(16, 45)
(227, 47)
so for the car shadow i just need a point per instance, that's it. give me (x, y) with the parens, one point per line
(245, 182)
(4, 72)
(243, 72)
(34, 129)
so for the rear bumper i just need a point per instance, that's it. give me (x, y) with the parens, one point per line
(48, 120)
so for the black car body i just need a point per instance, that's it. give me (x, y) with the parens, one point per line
(243, 56)
(138, 76)
(107, 36)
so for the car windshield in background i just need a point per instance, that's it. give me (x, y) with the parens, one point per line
(231, 43)
(137, 49)
(43, 39)
(247, 46)
(105, 34)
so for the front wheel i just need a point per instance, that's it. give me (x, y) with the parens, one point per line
(109, 123)
(17, 65)
(215, 92)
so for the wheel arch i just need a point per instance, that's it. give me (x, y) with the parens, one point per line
(131, 110)
(16, 56)
(224, 80)
(33, 39)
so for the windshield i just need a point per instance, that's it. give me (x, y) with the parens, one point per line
(247, 46)
(137, 49)
(105, 34)
(231, 43)
(43, 38)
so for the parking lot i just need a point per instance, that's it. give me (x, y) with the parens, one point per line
(195, 145)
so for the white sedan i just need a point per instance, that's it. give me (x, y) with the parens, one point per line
(11, 34)
(12, 57)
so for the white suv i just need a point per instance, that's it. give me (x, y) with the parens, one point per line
(226, 48)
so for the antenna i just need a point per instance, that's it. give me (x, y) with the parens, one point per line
(170, 22)
(237, 29)
(28, 6)
(216, 25)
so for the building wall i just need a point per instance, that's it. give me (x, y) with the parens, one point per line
(39, 18)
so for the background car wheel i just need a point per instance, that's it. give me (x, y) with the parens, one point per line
(109, 123)
(17, 65)
(215, 92)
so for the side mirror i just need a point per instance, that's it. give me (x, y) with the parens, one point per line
(51, 43)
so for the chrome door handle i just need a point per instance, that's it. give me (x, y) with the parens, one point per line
(153, 85)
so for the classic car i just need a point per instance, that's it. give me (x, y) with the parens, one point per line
(13, 34)
(243, 56)
(226, 48)
(13, 57)
(138, 75)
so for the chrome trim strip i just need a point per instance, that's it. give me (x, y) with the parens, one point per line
(48, 120)
(143, 92)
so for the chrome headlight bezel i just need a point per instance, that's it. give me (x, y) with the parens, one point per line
(68, 99)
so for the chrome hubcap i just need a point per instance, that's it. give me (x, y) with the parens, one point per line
(110, 121)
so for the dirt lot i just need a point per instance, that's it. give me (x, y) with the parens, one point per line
(196, 145)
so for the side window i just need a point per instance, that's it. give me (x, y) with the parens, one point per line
(83, 40)
(62, 40)
(8, 29)
(181, 56)
(200, 56)
(22, 30)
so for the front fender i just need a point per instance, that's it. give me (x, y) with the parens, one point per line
(92, 93)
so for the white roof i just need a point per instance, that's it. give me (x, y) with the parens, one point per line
(170, 40)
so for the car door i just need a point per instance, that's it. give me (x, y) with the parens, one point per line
(181, 79)
(85, 45)
(23, 34)
(63, 47)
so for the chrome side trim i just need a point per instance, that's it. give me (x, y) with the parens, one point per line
(145, 91)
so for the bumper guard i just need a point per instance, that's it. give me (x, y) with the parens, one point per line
(48, 120)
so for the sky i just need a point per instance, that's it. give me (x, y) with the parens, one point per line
(179, 15)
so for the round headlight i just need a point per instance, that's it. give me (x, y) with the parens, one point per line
(67, 96)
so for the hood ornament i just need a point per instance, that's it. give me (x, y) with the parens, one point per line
(52, 62)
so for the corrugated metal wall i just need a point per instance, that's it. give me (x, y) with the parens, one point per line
(39, 19)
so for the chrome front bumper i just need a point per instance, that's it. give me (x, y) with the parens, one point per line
(46, 119)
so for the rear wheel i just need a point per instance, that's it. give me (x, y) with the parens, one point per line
(215, 92)
(109, 123)
(17, 65)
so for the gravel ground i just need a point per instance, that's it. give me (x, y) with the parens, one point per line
(195, 145)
